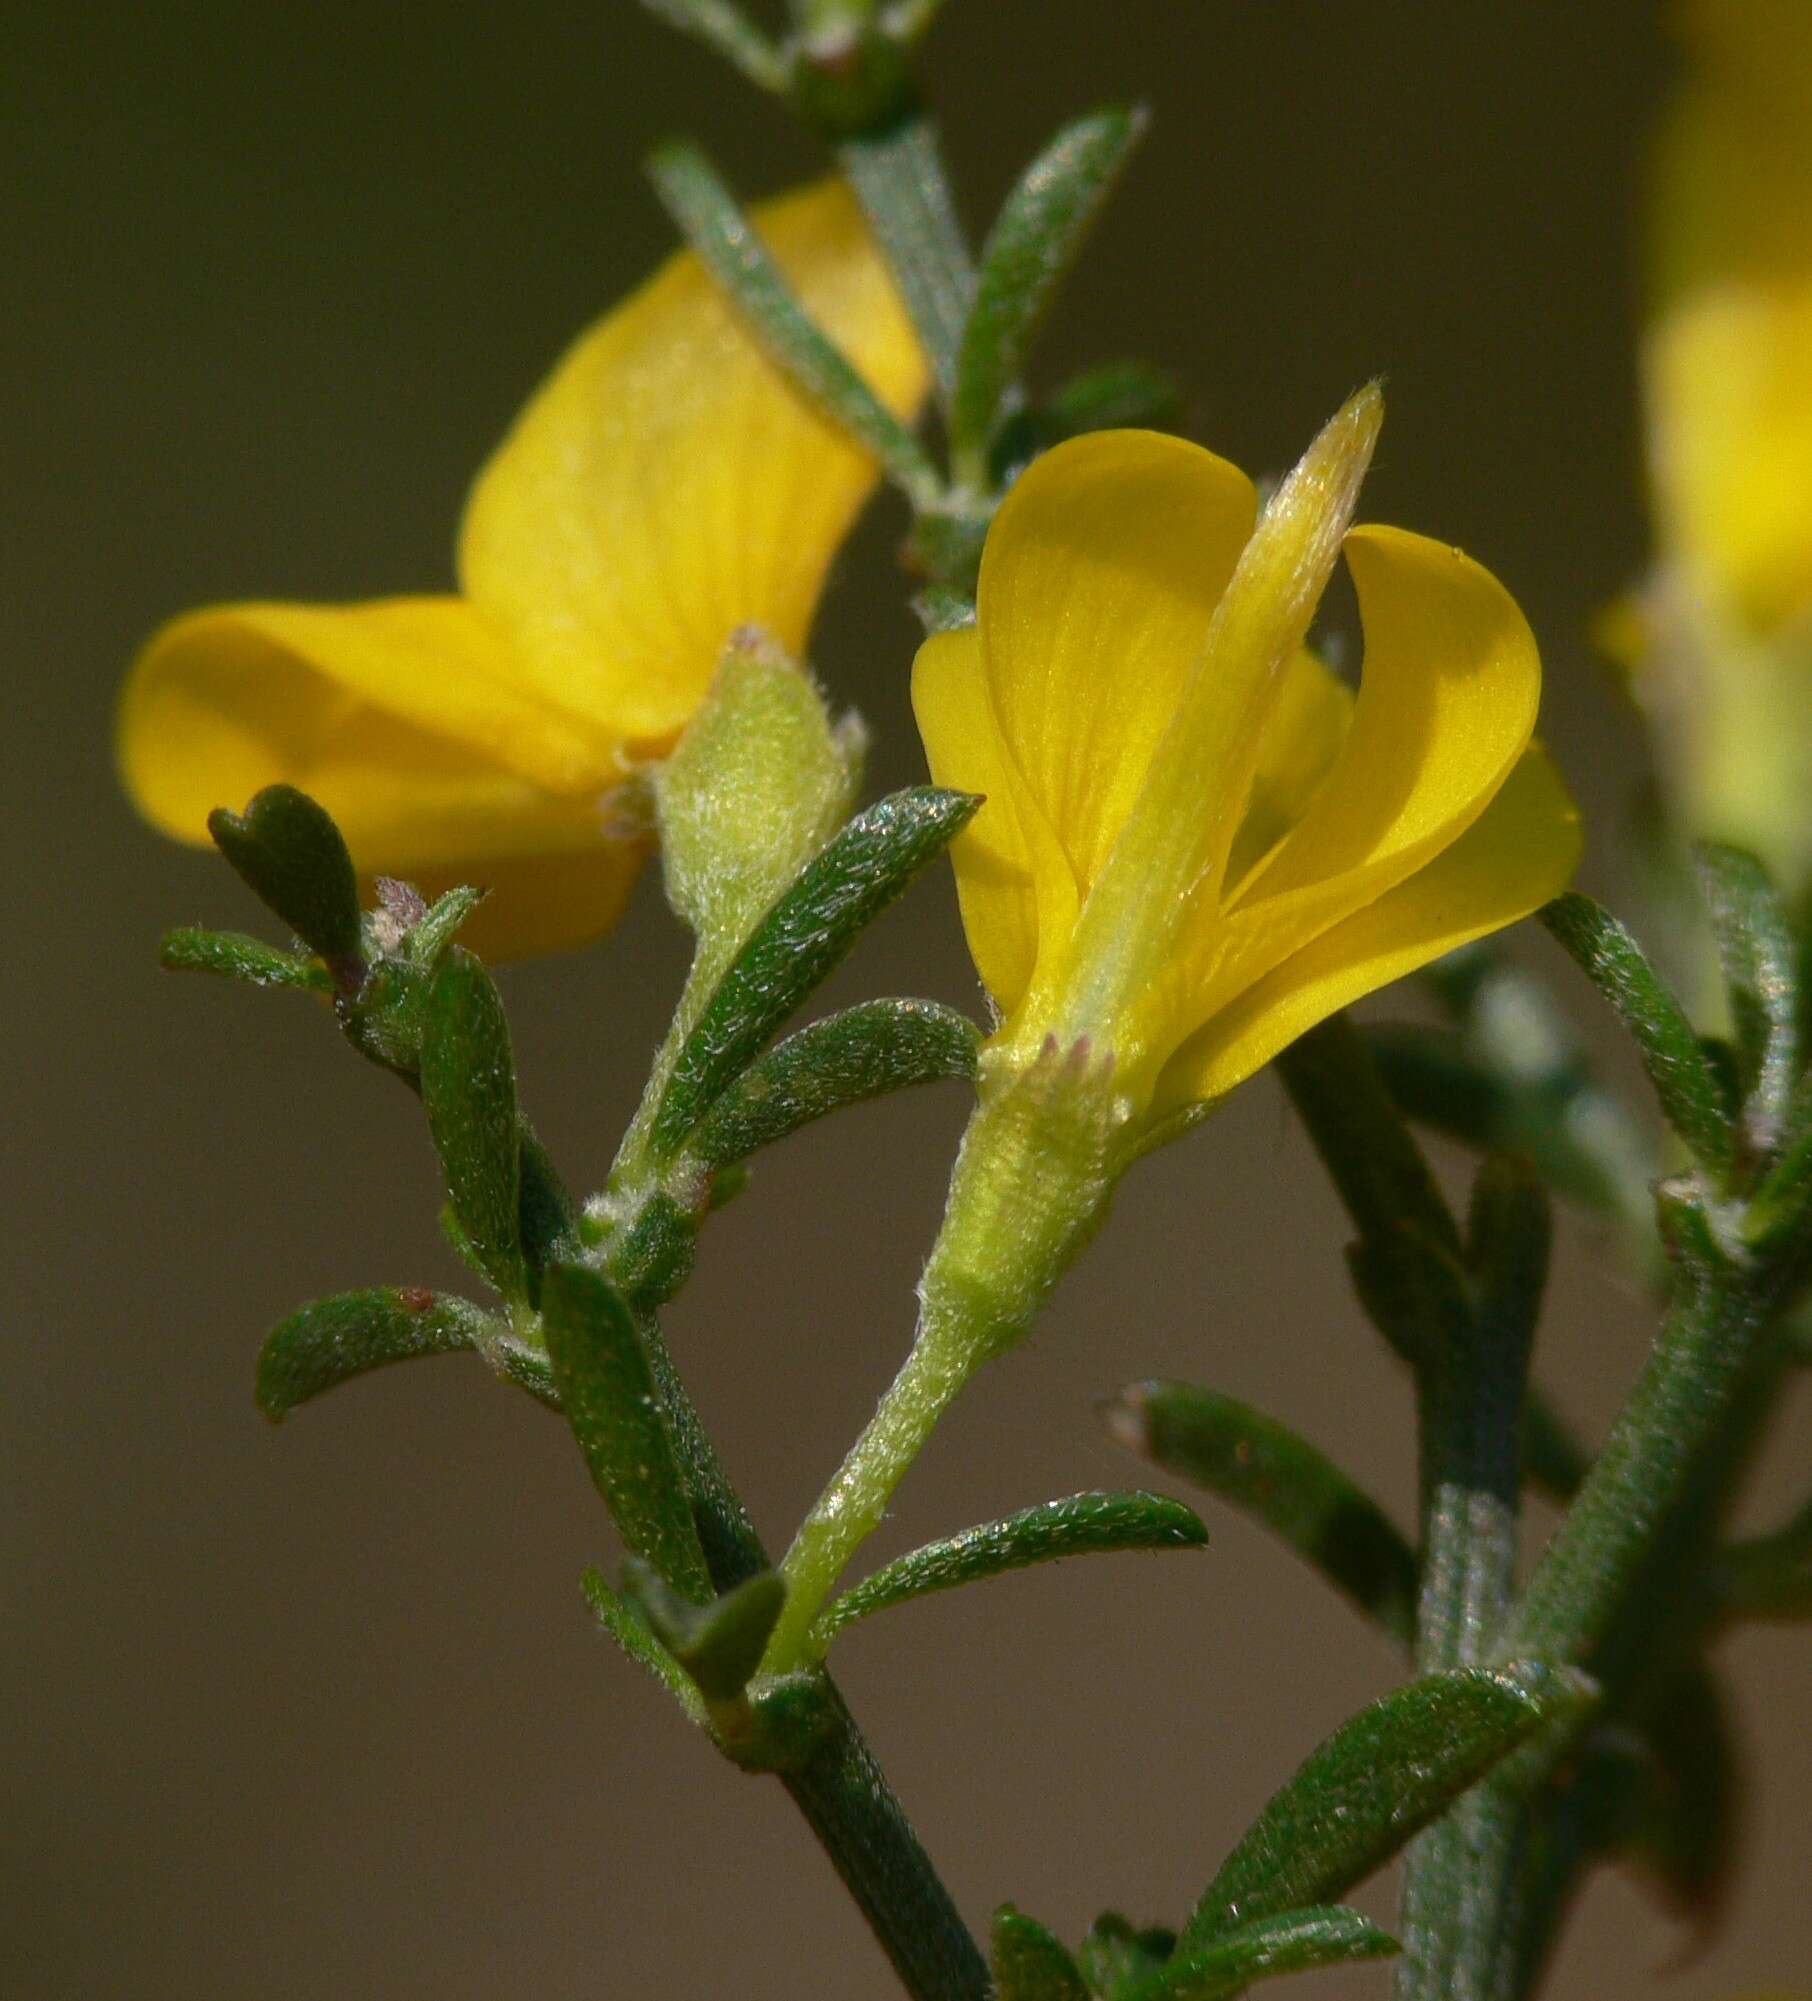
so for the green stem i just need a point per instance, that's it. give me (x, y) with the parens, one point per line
(899, 178)
(1705, 1355)
(1030, 1184)
(839, 1788)
(851, 1508)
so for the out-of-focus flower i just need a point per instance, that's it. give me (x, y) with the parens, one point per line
(1196, 844)
(1719, 643)
(665, 486)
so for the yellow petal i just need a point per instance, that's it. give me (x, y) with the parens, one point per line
(667, 484)
(336, 700)
(1447, 701)
(993, 867)
(224, 700)
(1098, 584)
(1520, 852)
(1728, 374)
(1303, 738)
(545, 902)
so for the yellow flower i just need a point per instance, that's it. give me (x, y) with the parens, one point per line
(1728, 357)
(1719, 643)
(663, 487)
(1196, 844)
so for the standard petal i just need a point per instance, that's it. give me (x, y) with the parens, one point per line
(667, 484)
(1100, 577)
(993, 869)
(1447, 701)
(1520, 852)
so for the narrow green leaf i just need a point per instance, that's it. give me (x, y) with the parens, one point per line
(606, 1385)
(1769, 1576)
(625, 1624)
(719, 1644)
(1081, 1525)
(806, 934)
(1414, 1291)
(1030, 1963)
(1291, 1942)
(896, 167)
(1119, 395)
(1439, 1082)
(730, 32)
(547, 1219)
(1117, 1959)
(1677, 1066)
(1371, 1157)
(879, 1046)
(730, 248)
(1264, 1468)
(235, 956)
(1757, 953)
(468, 1084)
(288, 852)
(332, 1340)
(1038, 236)
(1364, 1791)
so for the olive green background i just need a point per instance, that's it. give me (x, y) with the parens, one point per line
(318, 1712)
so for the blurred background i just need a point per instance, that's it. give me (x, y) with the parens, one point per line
(318, 1711)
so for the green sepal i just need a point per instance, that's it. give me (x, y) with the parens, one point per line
(801, 940)
(1030, 1963)
(1080, 1525)
(719, 1644)
(1117, 1957)
(232, 955)
(879, 1046)
(758, 782)
(1276, 1476)
(1035, 240)
(624, 1622)
(607, 1388)
(1379, 1779)
(1761, 980)
(468, 1084)
(1290, 1942)
(287, 851)
(1685, 1083)
(331, 1340)
(724, 27)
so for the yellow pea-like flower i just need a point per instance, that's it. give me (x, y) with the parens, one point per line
(1718, 644)
(1196, 843)
(663, 487)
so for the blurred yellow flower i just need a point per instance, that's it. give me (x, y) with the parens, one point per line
(1196, 843)
(664, 486)
(1721, 645)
